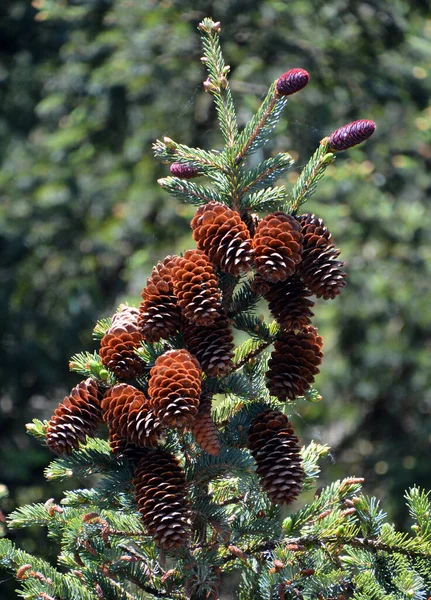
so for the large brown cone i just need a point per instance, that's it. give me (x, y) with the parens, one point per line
(123, 450)
(127, 412)
(287, 300)
(196, 287)
(118, 345)
(213, 346)
(160, 491)
(204, 429)
(276, 450)
(174, 388)
(294, 362)
(75, 418)
(224, 237)
(277, 246)
(320, 269)
(160, 315)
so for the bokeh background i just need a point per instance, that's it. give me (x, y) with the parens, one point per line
(86, 86)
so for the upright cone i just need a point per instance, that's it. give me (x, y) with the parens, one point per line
(160, 491)
(276, 450)
(77, 417)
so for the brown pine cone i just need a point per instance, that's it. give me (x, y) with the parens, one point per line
(287, 301)
(75, 418)
(204, 429)
(213, 346)
(174, 388)
(196, 287)
(123, 450)
(160, 491)
(223, 236)
(320, 269)
(276, 450)
(294, 362)
(277, 246)
(127, 412)
(159, 313)
(118, 345)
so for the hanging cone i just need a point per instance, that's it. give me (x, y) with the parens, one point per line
(196, 287)
(320, 269)
(213, 346)
(118, 345)
(222, 235)
(123, 450)
(287, 301)
(128, 414)
(174, 388)
(276, 450)
(277, 247)
(77, 417)
(159, 313)
(160, 491)
(204, 429)
(294, 362)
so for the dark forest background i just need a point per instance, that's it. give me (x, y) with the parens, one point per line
(86, 86)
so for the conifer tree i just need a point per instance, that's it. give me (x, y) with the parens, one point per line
(201, 458)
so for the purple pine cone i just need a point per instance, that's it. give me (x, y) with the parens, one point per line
(183, 171)
(351, 134)
(292, 81)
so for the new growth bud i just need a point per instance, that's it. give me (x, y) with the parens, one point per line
(291, 82)
(350, 135)
(183, 171)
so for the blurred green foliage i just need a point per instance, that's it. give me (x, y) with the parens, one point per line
(86, 86)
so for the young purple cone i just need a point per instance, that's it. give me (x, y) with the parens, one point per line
(351, 134)
(183, 171)
(291, 82)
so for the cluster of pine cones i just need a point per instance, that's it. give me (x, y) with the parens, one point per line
(293, 258)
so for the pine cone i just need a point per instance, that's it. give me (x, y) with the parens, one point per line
(320, 269)
(160, 315)
(118, 345)
(128, 414)
(196, 287)
(160, 491)
(287, 301)
(291, 82)
(277, 245)
(213, 346)
(75, 418)
(223, 236)
(175, 387)
(204, 429)
(294, 362)
(350, 135)
(123, 450)
(276, 450)
(183, 171)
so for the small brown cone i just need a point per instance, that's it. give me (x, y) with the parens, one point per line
(174, 388)
(159, 313)
(127, 412)
(320, 269)
(277, 247)
(196, 287)
(160, 491)
(77, 417)
(294, 362)
(276, 450)
(224, 237)
(287, 300)
(213, 346)
(123, 450)
(118, 345)
(204, 429)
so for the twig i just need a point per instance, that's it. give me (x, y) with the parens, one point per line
(252, 354)
(260, 124)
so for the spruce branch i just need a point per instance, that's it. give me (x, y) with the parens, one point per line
(310, 176)
(217, 83)
(189, 192)
(206, 161)
(265, 173)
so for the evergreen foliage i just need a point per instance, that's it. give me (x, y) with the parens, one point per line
(337, 544)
